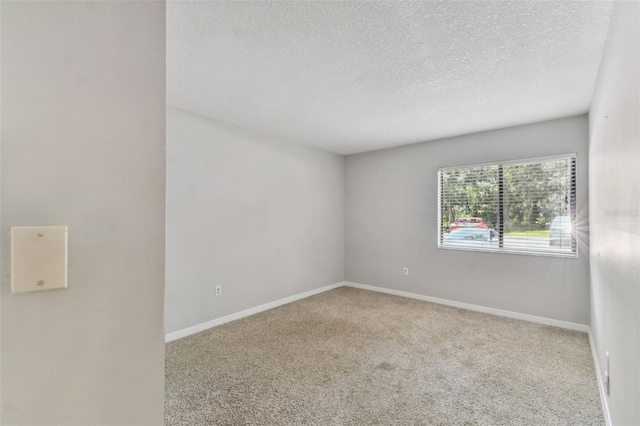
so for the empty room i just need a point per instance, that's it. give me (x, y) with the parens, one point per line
(320, 213)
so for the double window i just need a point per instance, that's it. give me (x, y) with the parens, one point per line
(524, 206)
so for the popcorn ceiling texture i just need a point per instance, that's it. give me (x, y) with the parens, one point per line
(357, 76)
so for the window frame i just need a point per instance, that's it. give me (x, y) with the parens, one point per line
(531, 160)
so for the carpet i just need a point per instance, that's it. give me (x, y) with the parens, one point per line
(356, 357)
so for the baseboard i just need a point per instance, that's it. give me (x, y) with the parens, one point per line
(601, 388)
(248, 312)
(261, 308)
(494, 311)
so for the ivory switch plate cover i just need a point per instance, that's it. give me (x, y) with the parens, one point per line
(38, 258)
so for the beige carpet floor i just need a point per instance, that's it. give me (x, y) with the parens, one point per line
(355, 357)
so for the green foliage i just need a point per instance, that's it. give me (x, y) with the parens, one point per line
(470, 192)
(533, 194)
(535, 233)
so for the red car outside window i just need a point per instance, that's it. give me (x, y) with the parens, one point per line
(468, 222)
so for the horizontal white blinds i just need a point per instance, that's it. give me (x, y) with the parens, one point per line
(526, 206)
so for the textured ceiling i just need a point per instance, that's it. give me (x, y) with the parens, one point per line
(357, 76)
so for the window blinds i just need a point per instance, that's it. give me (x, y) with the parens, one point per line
(525, 206)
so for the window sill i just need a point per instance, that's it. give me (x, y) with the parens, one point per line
(542, 253)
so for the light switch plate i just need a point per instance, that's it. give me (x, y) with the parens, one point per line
(38, 258)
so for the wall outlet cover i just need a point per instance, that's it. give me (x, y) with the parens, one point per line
(38, 258)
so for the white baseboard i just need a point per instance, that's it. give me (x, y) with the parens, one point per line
(494, 311)
(261, 308)
(251, 311)
(601, 388)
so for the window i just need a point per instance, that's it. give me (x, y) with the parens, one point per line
(524, 206)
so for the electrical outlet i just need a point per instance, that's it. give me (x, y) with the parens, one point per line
(405, 271)
(218, 290)
(607, 378)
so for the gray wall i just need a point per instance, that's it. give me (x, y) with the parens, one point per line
(83, 145)
(260, 217)
(614, 183)
(391, 223)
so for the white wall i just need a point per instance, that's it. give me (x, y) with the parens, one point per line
(614, 183)
(83, 145)
(261, 218)
(391, 223)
